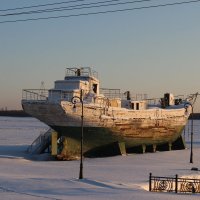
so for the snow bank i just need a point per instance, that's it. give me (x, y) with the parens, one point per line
(119, 177)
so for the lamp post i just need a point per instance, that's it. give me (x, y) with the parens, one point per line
(191, 141)
(74, 101)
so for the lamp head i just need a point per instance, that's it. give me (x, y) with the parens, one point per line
(74, 108)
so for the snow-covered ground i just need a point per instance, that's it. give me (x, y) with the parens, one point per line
(119, 177)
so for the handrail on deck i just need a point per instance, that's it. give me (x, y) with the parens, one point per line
(81, 71)
(35, 94)
(44, 95)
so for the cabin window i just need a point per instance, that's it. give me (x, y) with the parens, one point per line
(132, 106)
(94, 88)
(67, 96)
(137, 106)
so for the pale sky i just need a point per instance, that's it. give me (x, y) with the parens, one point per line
(150, 51)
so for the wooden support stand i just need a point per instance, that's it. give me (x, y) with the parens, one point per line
(113, 149)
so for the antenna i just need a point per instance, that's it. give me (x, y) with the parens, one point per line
(42, 90)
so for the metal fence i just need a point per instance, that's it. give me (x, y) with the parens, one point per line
(173, 184)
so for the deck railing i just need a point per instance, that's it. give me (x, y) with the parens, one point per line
(51, 95)
(35, 94)
(44, 95)
(111, 93)
(83, 71)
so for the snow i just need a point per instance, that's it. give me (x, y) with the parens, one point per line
(119, 177)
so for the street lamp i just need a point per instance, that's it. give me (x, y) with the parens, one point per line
(191, 139)
(74, 101)
(191, 152)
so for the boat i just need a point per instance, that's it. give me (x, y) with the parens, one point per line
(77, 105)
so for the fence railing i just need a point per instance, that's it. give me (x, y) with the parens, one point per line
(173, 184)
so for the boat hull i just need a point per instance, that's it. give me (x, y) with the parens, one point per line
(99, 136)
(105, 126)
